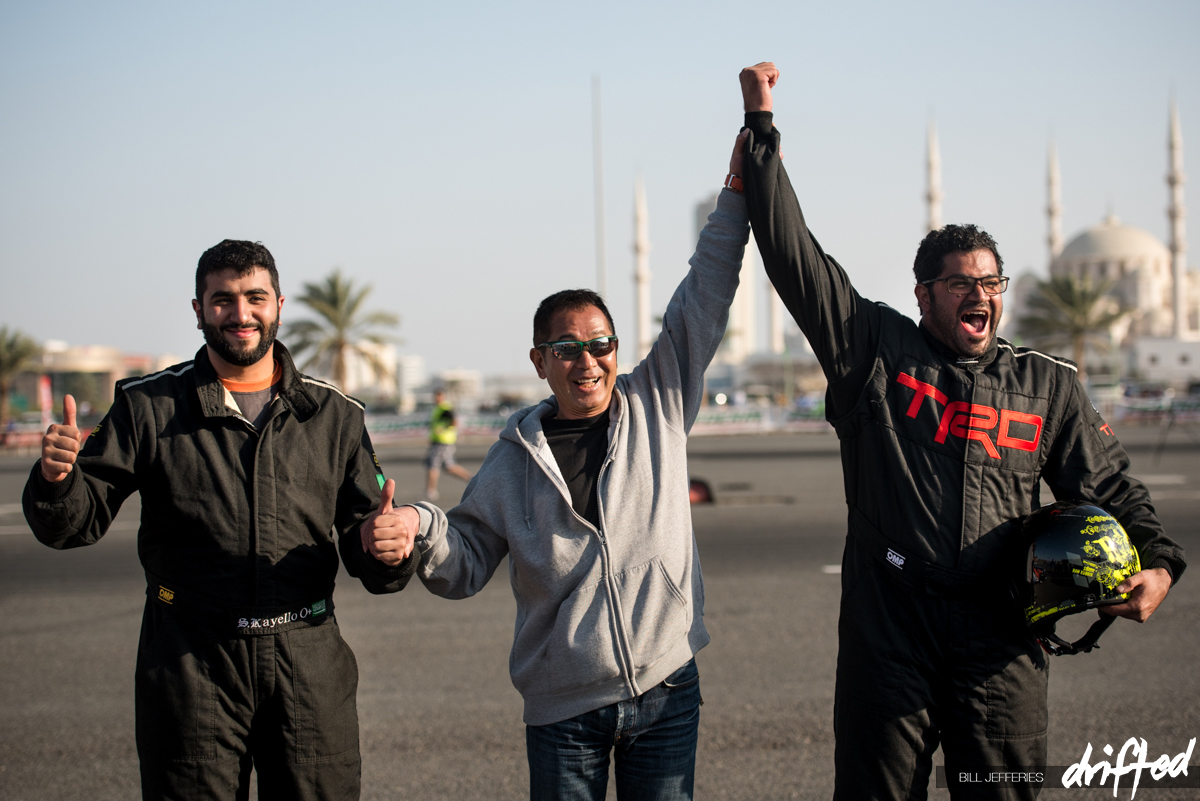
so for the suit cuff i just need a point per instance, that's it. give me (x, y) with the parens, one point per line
(760, 123)
(1165, 565)
(52, 491)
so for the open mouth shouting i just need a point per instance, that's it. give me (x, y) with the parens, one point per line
(975, 322)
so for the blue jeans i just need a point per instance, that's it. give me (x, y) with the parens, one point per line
(653, 736)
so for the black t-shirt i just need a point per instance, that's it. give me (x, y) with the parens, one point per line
(579, 448)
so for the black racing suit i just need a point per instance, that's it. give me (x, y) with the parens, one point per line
(941, 457)
(240, 659)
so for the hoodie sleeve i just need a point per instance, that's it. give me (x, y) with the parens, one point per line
(461, 549)
(695, 319)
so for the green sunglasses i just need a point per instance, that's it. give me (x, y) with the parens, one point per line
(566, 351)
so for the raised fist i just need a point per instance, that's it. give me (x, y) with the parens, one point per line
(756, 86)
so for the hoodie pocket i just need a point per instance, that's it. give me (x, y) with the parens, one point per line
(654, 611)
(581, 650)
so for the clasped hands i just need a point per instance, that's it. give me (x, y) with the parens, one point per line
(389, 534)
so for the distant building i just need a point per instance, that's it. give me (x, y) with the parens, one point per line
(464, 387)
(410, 379)
(372, 379)
(514, 392)
(1140, 267)
(87, 372)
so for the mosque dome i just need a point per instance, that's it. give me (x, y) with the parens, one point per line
(1136, 263)
(1112, 242)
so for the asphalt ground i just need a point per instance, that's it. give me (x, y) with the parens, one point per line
(439, 718)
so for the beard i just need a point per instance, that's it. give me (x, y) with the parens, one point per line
(944, 321)
(243, 356)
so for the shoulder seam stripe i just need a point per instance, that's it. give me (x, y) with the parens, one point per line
(1031, 352)
(159, 374)
(315, 382)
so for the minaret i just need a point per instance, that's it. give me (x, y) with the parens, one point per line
(934, 180)
(641, 272)
(743, 322)
(774, 320)
(1177, 213)
(598, 187)
(1054, 205)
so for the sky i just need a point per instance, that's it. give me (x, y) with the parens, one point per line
(442, 153)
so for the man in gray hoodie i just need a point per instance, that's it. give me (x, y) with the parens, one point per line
(587, 494)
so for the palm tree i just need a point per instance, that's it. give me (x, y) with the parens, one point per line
(340, 328)
(1070, 311)
(16, 351)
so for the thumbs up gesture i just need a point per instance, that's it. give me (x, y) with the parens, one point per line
(389, 534)
(60, 445)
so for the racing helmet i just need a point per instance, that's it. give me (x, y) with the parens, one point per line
(1078, 554)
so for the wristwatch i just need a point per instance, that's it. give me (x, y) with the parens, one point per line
(733, 182)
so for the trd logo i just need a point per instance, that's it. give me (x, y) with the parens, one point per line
(972, 421)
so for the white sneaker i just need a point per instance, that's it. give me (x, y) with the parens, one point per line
(432, 495)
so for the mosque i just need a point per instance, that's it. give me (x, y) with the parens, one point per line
(1158, 342)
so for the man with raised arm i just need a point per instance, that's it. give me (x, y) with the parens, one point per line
(945, 430)
(247, 469)
(587, 495)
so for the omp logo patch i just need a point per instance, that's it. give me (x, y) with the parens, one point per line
(165, 595)
(895, 558)
(973, 421)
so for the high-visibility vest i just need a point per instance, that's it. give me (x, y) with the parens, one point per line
(442, 432)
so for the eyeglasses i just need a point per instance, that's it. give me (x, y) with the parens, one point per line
(568, 350)
(965, 284)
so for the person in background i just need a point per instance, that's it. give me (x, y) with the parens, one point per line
(443, 434)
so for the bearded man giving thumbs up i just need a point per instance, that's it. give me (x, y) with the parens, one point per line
(253, 478)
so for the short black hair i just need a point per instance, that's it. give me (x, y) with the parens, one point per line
(238, 255)
(948, 239)
(567, 300)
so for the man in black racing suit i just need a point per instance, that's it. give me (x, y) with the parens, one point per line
(246, 469)
(945, 431)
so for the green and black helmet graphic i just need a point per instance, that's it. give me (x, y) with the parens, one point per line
(1078, 555)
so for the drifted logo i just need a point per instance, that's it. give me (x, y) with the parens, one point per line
(973, 421)
(1081, 773)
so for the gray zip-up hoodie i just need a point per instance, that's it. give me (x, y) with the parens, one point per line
(603, 614)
